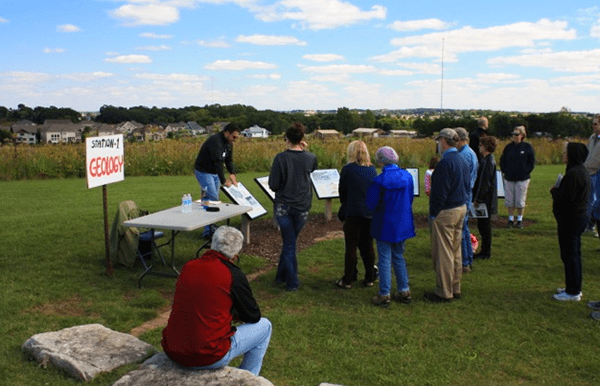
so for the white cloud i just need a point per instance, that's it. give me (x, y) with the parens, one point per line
(153, 48)
(340, 69)
(270, 40)
(172, 77)
(396, 72)
(468, 39)
(129, 59)
(317, 15)
(567, 61)
(152, 35)
(54, 50)
(415, 25)
(595, 30)
(218, 43)
(86, 77)
(422, 68)
(68, 28)
(265, 76)
(238, 65)
(3, 20)
(147, 14)
(26, 77)
(415, 52)
(323, 57)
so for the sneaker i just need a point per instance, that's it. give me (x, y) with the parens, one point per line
(381, 300)
(466, 269)
(563, 296)
(595, 315)
(510, 224)
(402, 297)
(560, 290)
(457, 296)
(519, 225)
(594, 305)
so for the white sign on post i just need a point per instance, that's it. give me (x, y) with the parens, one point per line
(105, 158)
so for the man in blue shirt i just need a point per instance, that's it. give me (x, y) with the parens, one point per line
(447, 209)
(468, 155)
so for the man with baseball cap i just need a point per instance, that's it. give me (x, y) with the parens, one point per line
(447, 209)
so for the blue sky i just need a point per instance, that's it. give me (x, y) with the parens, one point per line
(284, 55)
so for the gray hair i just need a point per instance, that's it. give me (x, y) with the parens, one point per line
(482, 121)
(228, 241)
(521, 129)
(463, 134)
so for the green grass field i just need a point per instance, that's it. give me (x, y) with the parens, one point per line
(507, 330)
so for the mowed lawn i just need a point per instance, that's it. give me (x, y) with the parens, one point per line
(507, 329)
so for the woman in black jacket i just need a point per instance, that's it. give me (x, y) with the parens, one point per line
(485, 191)
(569, 205)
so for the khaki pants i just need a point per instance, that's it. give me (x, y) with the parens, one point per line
(446, 232)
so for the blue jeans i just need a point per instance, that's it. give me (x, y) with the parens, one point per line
(391, 255)
(466, 246)
(250, 340)
(211, 183)
(291, 221)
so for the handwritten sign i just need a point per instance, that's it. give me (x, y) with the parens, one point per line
(104, 160)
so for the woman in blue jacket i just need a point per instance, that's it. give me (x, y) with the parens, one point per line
(390, 197)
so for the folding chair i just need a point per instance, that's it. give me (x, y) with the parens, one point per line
(147, 245)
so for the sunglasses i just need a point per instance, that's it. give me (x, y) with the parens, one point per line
(516, 134)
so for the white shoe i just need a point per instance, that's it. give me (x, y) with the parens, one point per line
(565, 297)
(560, 290)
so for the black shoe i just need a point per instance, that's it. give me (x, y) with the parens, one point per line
(510, 224)
(433, 297)
(519, 225)
(480, 256)
(457, 296)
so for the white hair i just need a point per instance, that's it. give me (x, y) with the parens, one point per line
(228, 241)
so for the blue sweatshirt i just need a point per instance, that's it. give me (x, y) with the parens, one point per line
(450, 183)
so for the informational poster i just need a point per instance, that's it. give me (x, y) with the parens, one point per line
(414, 172)
(326, 183)
(263, 183)
(500, 184)
(104, 160)
(241, 196)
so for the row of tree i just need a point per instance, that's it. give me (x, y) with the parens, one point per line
(429, 121)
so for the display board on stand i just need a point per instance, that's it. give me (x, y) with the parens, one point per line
(242, 196)
(326, 183)
(414, 172)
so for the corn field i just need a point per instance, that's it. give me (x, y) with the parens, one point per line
(176, 157)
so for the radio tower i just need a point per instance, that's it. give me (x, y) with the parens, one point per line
(442, 90)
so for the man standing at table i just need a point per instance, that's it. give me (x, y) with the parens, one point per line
(447, 209)
(216, 151)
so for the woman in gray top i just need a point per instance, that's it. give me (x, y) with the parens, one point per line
(290, 180)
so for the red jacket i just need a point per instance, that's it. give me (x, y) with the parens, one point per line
(210, 293)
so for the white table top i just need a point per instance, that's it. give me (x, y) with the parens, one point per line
(175, 219)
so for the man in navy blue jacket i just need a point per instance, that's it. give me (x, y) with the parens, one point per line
(447, 208)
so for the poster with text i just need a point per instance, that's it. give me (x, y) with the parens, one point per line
(241, 196)
(263, 183)
(104, 160)
(414, 172)
(326, 183)
(500, 183)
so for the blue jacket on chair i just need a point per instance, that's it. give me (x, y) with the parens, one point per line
(390, 197)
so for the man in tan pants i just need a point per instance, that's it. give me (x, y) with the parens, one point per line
(450, 184)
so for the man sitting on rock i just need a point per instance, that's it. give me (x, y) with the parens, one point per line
(210, 294)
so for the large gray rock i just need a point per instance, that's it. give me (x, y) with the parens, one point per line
(160, 370)
(85, 351)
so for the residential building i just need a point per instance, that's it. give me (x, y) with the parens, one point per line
(255, 132)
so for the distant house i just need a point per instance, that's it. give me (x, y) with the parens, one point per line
(195, 128)
(26, 132)
(403, 133)
(367, 132)
(256, 132)
(216, 127)
(325, 134)
(175, 127)
(128, 127)
(149, 133)
(61, 131)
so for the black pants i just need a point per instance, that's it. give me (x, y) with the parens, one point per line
(569, 240)
(484, 225)
(357, 234)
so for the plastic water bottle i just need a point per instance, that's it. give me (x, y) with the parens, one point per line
(186, 203)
